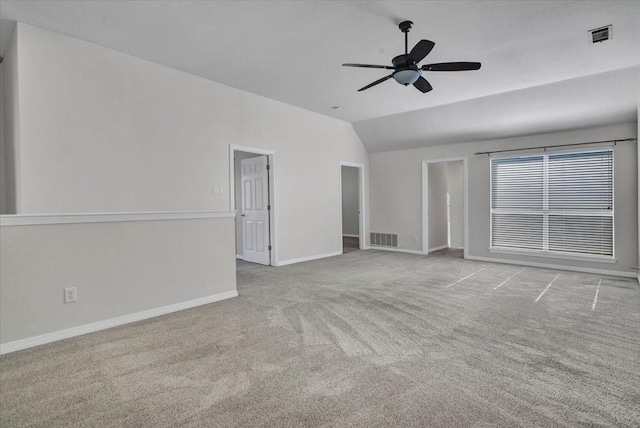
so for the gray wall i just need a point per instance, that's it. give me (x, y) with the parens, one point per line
(103, 131)
(437, 180)
(238, 191)
(396, 192)
(350, 203)
(455, 188)
(119, 268)
(3, 178)
(10, 130)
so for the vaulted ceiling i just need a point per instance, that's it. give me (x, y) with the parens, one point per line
(540, 72)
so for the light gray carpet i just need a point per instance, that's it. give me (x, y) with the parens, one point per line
(365, 339)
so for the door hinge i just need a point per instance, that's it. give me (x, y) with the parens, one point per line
(269, 247)
(268, 167)
(268, 207)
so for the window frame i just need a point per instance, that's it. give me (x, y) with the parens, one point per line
(546, 212)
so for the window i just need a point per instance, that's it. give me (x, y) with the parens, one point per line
(558, 203)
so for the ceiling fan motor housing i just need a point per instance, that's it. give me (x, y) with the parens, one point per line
(407, 71)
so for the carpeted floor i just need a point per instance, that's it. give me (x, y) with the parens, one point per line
(365, 339)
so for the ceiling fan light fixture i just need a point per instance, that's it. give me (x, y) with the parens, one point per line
(406, 67)
(406, 77)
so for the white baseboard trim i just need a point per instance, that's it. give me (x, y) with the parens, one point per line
(395, 250)
(552, 266)
(441, 247)
(30, 342)
(240, 256)
(348, 235)
(308, 259)
(638, 278)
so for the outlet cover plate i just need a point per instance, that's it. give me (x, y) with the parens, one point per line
(71, 294)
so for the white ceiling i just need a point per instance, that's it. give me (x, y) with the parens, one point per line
(596, 100)
(292, 51)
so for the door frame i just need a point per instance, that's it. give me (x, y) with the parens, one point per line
(271, 154)
(425, 201)
(361, 203)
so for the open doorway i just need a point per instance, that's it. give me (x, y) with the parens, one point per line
(252, 173)
(351, 190)
(444, 211)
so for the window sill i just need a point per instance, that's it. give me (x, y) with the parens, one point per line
(551, 255)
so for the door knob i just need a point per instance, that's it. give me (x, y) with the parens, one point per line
(241, 215)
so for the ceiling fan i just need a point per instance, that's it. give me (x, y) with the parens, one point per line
(406, 69)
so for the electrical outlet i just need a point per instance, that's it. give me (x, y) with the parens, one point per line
(415, 238)
(217, 190)
(71, 294)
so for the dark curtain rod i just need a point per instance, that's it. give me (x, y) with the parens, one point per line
(559, 145)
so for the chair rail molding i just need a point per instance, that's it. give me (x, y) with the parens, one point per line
(35, 219)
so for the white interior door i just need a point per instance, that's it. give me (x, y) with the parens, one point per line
(255, 210)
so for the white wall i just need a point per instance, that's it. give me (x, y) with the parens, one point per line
(238, 198)
(437, 181)
(102, 131)
(119, 268)
(455, 188)
(350, 202)
(396, 192)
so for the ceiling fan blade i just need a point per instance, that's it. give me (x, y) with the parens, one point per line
(452, 66)
(368, 66)
(421, 50)
(422, 85)
(376, 82)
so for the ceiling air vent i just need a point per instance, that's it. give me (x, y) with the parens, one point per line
(600, 34)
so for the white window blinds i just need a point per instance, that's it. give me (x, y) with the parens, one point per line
(556, 203)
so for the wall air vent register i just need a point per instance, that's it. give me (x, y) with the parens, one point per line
(384, 239)
(601, 34)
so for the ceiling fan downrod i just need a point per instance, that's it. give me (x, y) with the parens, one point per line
(405, 27)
